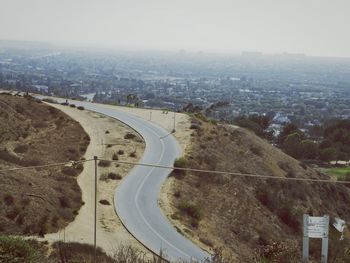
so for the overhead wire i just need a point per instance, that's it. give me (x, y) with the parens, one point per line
(261, 176)
(232, 173)
(43, 166)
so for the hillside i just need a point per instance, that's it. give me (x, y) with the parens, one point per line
(36, 201)
(248, 217)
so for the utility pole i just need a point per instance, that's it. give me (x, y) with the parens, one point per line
(174, 121)
(95, 217)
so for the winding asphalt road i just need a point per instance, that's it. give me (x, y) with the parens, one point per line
(136, 199)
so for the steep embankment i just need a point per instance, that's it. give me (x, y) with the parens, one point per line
(36, 201)
(246, 215)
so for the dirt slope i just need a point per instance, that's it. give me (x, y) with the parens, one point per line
(241, 214)
(37, 201)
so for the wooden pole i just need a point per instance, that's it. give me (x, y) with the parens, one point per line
(95, 212)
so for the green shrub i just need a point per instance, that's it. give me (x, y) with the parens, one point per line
(114, 176)
(194, 126)
(180, 163)
(115, 157)
(80, 108)
(213, 121)
(48, 100)
(15, 250)
(191, 210)
(104, 163)
(120, 152)
(129, 136)
(104, 202)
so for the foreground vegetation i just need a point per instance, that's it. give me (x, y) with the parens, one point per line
(18, 250)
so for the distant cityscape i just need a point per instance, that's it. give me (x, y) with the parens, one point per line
(295, 88)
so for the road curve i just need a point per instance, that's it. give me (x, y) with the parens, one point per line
(136, 199)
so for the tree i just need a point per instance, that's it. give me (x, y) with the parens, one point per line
(288, 129)
(292, 145)
(342, 156)
(256, 123)
(310, 149)
(328, 154)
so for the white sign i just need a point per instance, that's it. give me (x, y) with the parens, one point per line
(339, 224)
(317, 227)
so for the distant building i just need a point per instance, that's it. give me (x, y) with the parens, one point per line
(41, 88)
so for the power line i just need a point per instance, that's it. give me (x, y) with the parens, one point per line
(233, 173)
(185, 169)
(43, 166)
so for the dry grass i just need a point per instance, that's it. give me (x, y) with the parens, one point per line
(241, 214)
(32, 134)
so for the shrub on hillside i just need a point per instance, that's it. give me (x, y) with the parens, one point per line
(129, 136)
(194, 126)
(80, 108)
(115, 157)
(104, 163)
(9, 199)
(190, 209)
(180, 163)
(48, 100)
(31, 162)
(120, 152)
(70, 171)
(114, 176)
(64, 201)
(104, 202)
(16, 249)
(21, 148)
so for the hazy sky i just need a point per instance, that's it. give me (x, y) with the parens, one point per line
(315, 27)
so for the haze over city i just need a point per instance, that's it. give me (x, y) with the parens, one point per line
(158, 131)
(314, 27)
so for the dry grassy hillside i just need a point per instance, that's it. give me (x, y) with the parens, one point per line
(36, 201)
(246, 215)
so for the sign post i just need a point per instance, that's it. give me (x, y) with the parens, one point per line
(305, 239)
(315, 227)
